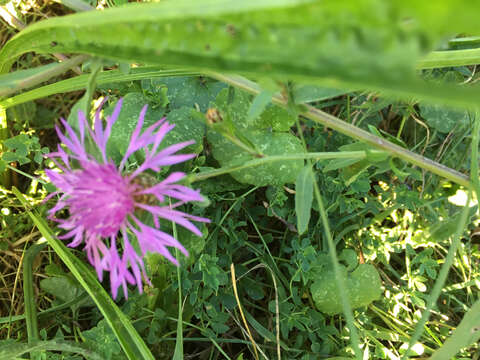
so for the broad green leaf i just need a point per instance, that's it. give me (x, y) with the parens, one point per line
(187, 127)
(103, 341)
(304, 198)
(66, 290)
(274, 173)
(442, 118)
(237, 108)
(363, 286)
(185, 91)
(127, 121)
(131, 342)
(350, 258)
(467, 333)
(234, 106)
(362, 43)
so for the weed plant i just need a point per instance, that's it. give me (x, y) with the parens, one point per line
(335, 145)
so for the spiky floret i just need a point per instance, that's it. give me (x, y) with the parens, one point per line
(102, 198)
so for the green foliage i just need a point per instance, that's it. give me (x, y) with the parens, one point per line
(363, 287)
(444, 119)
(276, 173)
(22, 149)
(102, 340)
(393, 224)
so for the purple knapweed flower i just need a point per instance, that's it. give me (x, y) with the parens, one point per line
(104, 200)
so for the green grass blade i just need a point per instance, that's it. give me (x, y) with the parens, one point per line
(131, 342)
(178, 354)
(303, 198)
(78, 83)
(29, 294)
(347, 309)
(467, 333)
(22, 79)
(438, 59)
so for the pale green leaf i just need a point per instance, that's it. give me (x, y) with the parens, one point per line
(304, 198)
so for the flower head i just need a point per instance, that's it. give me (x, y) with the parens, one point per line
(104, 200)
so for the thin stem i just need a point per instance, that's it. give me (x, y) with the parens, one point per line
(268, 159)
(337, 124)
(26, 175)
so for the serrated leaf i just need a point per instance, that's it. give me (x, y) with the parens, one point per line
(303, 198)
(363, 286)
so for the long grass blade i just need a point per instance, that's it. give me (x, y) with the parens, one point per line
(131, 342)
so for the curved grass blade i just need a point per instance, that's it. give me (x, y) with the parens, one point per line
(106, 77)
(18, 80)
(131, 342)
(467, 333)
(15, 350)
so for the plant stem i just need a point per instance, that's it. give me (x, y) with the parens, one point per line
(268, 159)
(339, 125)
(26, 175)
